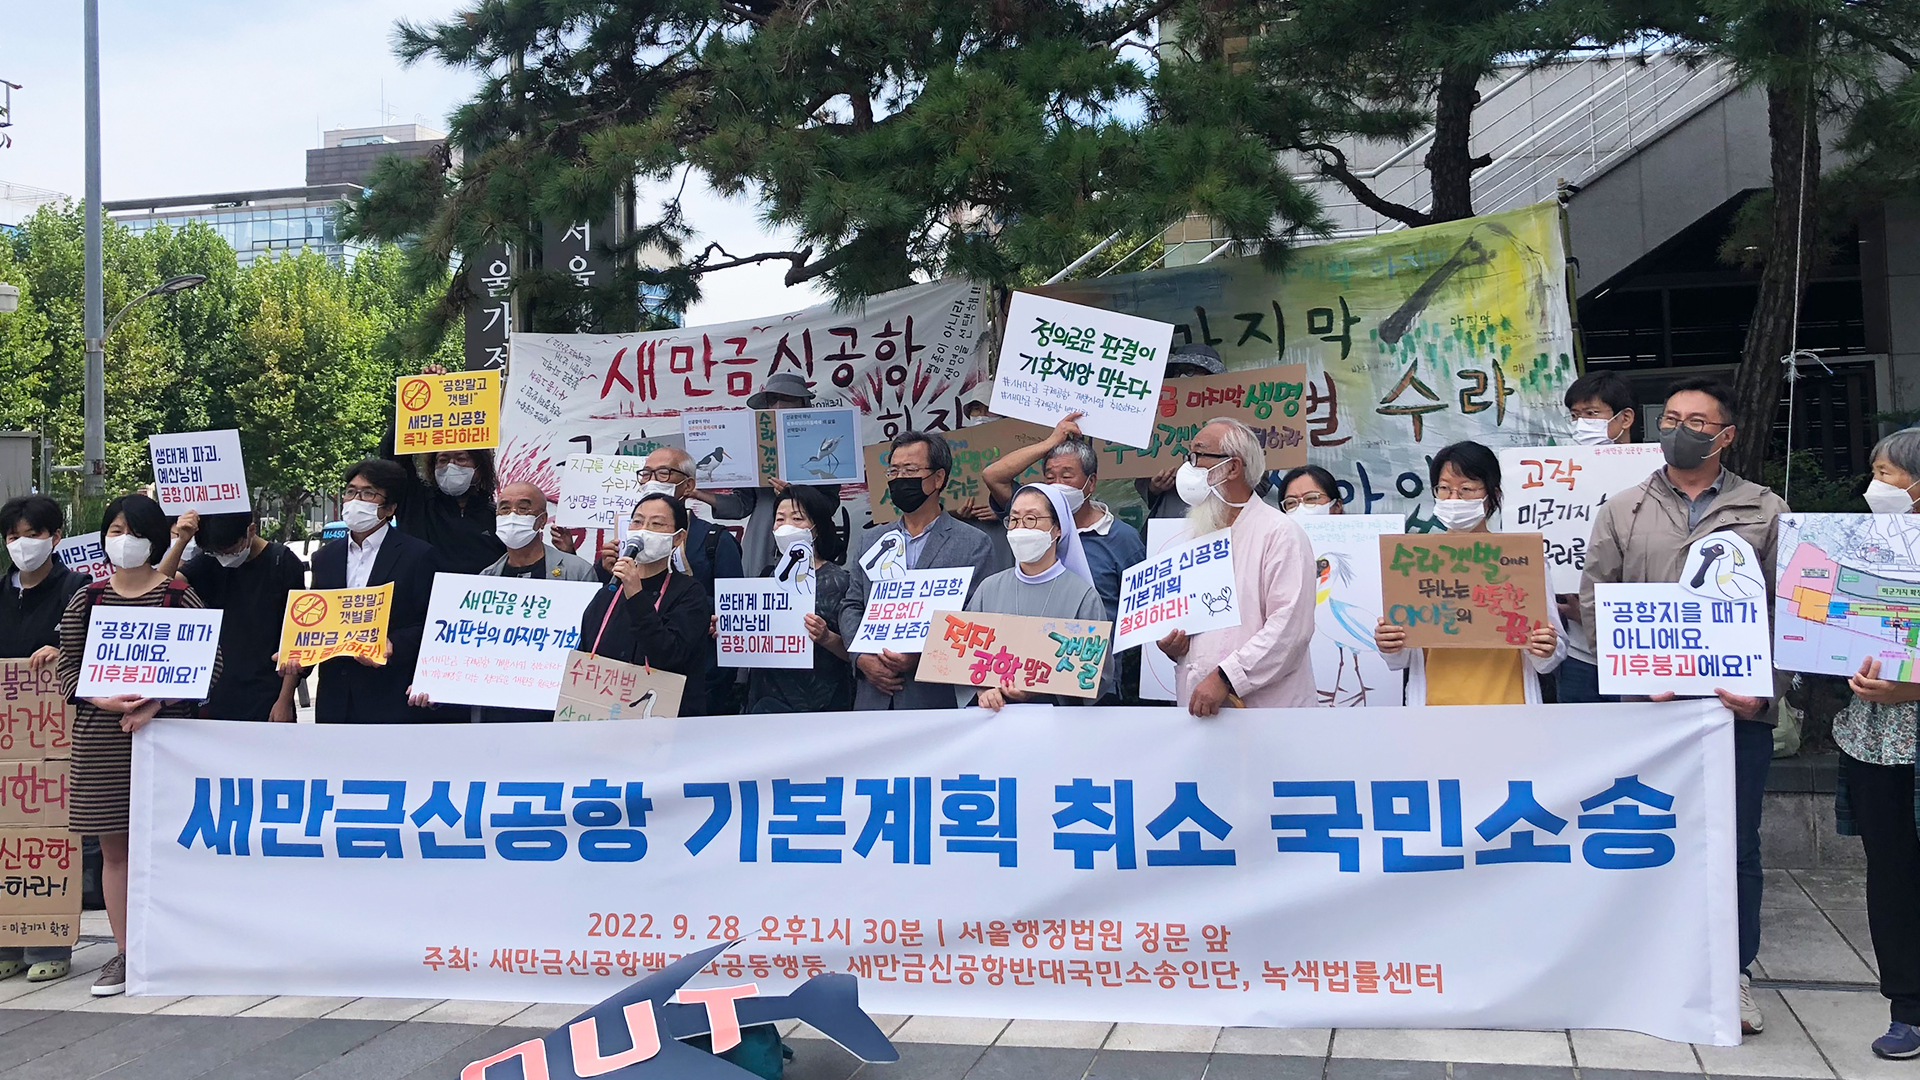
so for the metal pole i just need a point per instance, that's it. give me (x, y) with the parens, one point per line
(93, 478)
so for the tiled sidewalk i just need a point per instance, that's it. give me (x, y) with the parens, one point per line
(1817, 974)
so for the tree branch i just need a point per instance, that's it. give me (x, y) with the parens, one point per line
(748, 14)
(1141, 21)
(701, 266)
(1337, 168)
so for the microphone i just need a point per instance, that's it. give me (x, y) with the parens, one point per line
(628, 550)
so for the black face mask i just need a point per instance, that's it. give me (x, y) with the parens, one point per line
(907, 493)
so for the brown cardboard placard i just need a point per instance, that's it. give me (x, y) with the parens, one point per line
(1464, 590)
(1270, 400)
(39, 886)
(598, 688)
(34, 793)
(974, 449)
(36, 720)
(1016, 652)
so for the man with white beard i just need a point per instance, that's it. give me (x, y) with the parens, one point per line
(1261, 663)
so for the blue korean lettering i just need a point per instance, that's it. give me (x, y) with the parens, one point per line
(531, 836)
(597, 810)
(801, 809)
(439, 806)
(901, 813)
(722, 796)
(292, 802)
(1388, 795)
(1187, 806)
(361, 842)
(1634, 841)
(1081, 803)
(229, 832)
(1521, 807)
(1316, 830)
(980, 816)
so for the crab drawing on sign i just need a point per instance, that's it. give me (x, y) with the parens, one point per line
(1217, 602)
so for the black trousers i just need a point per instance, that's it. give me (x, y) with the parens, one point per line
(1882, 798)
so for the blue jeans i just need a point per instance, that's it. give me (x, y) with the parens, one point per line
(1752, 757)
(38, 954)
(1578, 683)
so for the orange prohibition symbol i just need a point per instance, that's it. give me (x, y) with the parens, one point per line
(309, 609)
(416, 394)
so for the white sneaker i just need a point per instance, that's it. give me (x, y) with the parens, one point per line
(1751, 1022)
(113, 977)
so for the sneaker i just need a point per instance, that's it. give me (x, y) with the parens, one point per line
(1751, 1022)
(113, 977)
(1900, 1041)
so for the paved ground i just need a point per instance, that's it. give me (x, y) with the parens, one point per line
(1818, 995)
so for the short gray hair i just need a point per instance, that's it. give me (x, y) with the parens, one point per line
(1239, 441)
(1079, 449)
(1900, 450)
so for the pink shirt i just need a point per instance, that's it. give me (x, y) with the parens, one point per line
(1265, 657)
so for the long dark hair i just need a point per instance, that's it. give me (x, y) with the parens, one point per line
(828, 544)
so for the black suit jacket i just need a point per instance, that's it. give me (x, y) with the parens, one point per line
(351, 692)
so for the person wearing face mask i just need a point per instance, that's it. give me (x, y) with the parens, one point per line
(804, 515)
(1310, 491)
(1643, 534)
(33, 596)
(1050, 579)
(134, 533)
(1159, 492)
(1601, 406)
(649, 614)
(786, 390)
(248, 579)
(918, 465)
(1262, 662)
(1466, 488)
(1067, 459)
(446, 500)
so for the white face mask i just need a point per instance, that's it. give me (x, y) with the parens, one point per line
(454, 479)
(29, 553)
(516, 530)
(1191, 481)
(231, 559)
(1029, 545)
(1076, 497)
(659, 487)
(360, 516)
(1588, 431)
(1882, 498)
(127, 550)
(654, 546)
(785, 536)
(1311, 509)
(1457, 514)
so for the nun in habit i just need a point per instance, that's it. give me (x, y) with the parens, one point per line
(1049, 579)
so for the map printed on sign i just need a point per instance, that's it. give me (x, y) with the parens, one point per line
(1187, 588)
(1558, 491)
(1347, 669)
(199, 470)
(1059, 358)
(1848, 591)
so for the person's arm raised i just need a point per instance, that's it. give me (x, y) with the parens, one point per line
(1005, 469)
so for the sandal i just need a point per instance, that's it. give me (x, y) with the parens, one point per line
(10, 968)
(49, 970)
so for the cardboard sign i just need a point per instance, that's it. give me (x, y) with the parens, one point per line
(199, 470)
(725, 448)
(1058, 358)
(597, 688)
(321, 624)
(761, 623)
(34, 793)
(974, 448)
(499, 641)
(1659, 636)
(84, 554)
(1016, 652)
(1558, 491)
(1347, 669)
(900, 608)
(598, 491)
(1464, 590)
(458, 411)
(153, 652)
(1189, 587)
(818, 446)
(39, 886)
(36, 719)
(1848, 592)
(1269, 400)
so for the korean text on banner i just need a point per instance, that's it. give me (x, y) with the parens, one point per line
(499, 641)
(1269, 400)
(199, 470)
(598, 491)
(36, 719)
(1464, 590)
(1347, 669)
(724, 447)
(598, 688)
(1558, 491)
(460, 411)
(900, 608)
(39, 886)
(1030, 655)
(153, 652)
(321, 624)
(85, 554)
(1261, 847)
(761, 623)
(819, 446)
(1189, 587)
(1848, 591)
(1058, 358)
(973, 448)
(39, 901)
(1658, 636)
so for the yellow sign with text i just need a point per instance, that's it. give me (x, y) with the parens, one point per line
(321, 624)
(457, 411)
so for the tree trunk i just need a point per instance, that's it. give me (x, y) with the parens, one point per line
(1450, 162)
(1770, 333)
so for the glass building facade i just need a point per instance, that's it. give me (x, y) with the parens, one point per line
(255, 230)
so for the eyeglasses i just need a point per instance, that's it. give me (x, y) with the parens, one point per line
(1311, 498)
(1031, 521)
(371, 495)
(1194, 456)
(1700, 424)
(664, 472)
(907, 472)
(1469, 491)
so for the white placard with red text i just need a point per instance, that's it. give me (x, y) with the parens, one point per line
(165, 653)
(1558, 491)
(1189, 587)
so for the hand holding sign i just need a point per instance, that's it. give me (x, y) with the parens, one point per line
(1463, 590)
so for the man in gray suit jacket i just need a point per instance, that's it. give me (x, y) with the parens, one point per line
(924, 538)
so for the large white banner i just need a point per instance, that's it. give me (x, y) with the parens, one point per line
(1498, 867)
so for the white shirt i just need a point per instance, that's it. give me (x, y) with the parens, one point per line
(1102, 526)
(360, 556)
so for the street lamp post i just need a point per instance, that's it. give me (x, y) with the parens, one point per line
(93, 479)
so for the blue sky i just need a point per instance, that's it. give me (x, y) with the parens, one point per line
(201, 96)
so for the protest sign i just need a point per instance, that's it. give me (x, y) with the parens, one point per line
(1189, 588)
(39, 886)
(724, 446)
(36, 719)
(1058, 358)
(1464, 590)
(1656, 636)
(1347, 669)
(84, 554)
(458, 411)
(499, 641)
(598, 491)
(1848, 592)
(37, 906)
(153, 652)
(761, 623)
(321, 624)
(818, 446)
(974, 448)
(34, 793)
(1269, 400)
(199, 470)
(1157, 668)
(598, 688)
(1596, 850)
(900, 608)
(1558, 491)
(1016, 652)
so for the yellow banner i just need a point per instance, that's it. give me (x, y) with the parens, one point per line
(321, 624)
(458, 411)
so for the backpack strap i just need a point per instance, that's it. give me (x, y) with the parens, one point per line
(713, 549)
